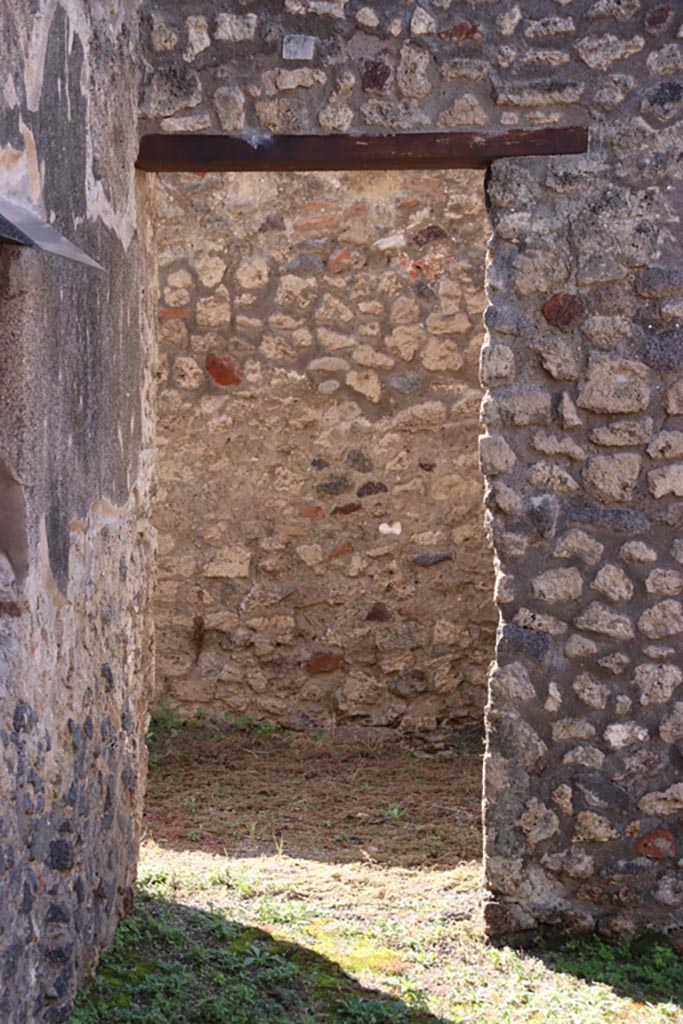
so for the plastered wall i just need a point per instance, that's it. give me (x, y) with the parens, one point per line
(75, 437)
(322, 548)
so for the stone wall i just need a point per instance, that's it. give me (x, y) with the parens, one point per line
(322, 548)
(75, 437)
(582, 443)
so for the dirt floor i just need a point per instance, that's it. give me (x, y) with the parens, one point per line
(340, 797)
(301, 879)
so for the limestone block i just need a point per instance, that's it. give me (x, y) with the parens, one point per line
(657, 682)
(557, 585)
(666, 480)
(578, 544)
(232, 563)
(625, 734)
(671, 729)
(664, 583)
(497, 365)
(235, 28)
(613, 583)
(637, 552)
(229, 103)
(495, 455)
(593, 828)
(591, 692)
(618, 385)
(572, 729)
(613, 477)
(663, 802)
(598, 618)
(187, 374)
(538, 822)
(600, 52)
(663, 619)
(215, 310)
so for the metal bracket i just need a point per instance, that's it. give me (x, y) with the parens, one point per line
(20, 226)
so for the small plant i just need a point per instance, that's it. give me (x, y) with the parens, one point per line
(395, 813)
(244, 723)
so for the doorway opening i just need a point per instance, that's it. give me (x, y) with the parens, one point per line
(324, 610)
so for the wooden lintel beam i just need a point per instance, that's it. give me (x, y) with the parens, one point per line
(438, 150)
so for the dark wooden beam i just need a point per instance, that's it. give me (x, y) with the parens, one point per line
(440, 150)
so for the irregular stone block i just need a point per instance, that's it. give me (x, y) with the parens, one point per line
(663, 619)
(613, 583)
(598, 618)
(618, 385)
(613, 477)
(663, 802)
(558, 585)
(666, 480)
(657, 682)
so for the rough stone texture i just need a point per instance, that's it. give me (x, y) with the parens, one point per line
(582, 363)
(584, 289)
(322, 546)
(75, 428)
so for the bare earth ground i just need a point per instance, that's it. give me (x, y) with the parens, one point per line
(295, 879)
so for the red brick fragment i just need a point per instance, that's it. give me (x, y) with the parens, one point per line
(15, 609)
(323, 661)
(165, 313)
(346, 510)
(657, 844)
(563, 310)
(379, 613)
(312, 512)
(658, 18)
(341, 259)
(463, 31)
(344, 548)
(223, 370)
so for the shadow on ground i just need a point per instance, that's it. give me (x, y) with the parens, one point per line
(646, 969)
(172, 964)
(250, 791)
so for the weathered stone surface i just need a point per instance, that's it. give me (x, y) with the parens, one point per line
(671, 728)
(598, 618)
(590, 692)
(558, 585)
(657, 682)
(664, 583)
(593, 828)
(622, 520)
(666, 480)
(618, 385)
(663, 619)
(636, 552)
(307, 402)
(578, 544)
(664, 351)
(625, 734)
(613, 477)
(613, 583)
(663, 802)
(538, 822)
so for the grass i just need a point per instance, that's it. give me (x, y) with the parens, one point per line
(270, 930)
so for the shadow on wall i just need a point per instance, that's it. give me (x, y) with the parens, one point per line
(173, 963)
(256, 791)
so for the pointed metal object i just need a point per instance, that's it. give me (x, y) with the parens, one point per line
(19, 225)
